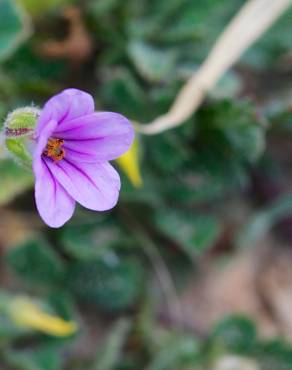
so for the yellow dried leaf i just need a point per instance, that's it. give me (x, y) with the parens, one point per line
(24, 312)
(129, 163)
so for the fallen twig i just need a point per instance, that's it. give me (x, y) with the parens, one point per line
(253, 19)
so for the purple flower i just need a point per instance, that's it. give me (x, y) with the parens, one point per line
(70, 161)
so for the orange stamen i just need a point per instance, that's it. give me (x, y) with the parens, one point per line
(54, 149)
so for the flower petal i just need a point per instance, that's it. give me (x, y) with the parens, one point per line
(40, 146)
(96, 186)
(101, 136)
(54, 204)
(68, 105)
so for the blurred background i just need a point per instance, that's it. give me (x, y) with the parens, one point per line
(193, 269)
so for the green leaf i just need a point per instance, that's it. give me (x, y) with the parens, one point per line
(229, 138)
(274, 354)
(36, 263)
(37, 78)
(228, 86)
(37, 8)
(264, 220)
(236, 334)
(154, 64)
(112, 283)
(9, 331)
(93, 240)
(239, 125)
(102, 7)
(14, 180)
(109, 356)
(14, 28)
(179, 351)
(167, 152)
(195, 233)
(123, 94)
(42, 358)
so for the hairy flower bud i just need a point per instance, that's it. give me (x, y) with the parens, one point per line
(18, 133)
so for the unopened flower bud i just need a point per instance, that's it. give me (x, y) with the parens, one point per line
(18, 133)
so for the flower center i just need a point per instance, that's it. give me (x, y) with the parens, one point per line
(54, 149)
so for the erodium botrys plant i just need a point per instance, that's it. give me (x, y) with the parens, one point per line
(69, 145)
